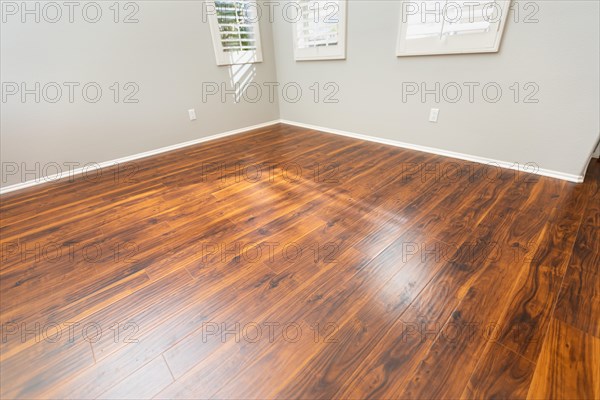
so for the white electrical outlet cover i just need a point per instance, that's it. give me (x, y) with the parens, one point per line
(433, 114)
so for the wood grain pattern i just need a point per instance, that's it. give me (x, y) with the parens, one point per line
(500, 374)
(289, 263)
(568, 366)
(535, 291)
(579, 299)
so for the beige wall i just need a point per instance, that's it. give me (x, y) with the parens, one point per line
(560, 54)
(168, 54)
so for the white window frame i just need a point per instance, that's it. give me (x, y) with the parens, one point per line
(458, 44)
(337, 52)
(230, 57)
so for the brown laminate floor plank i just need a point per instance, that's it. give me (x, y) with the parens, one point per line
(407, 275)
(568, 366)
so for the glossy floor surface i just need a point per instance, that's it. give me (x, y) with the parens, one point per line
(288, 263)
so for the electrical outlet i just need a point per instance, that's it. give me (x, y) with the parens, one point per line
(192, 114)
(433, 114)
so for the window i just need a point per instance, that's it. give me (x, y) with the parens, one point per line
(320, 30)
(235, 32)
(451, 26)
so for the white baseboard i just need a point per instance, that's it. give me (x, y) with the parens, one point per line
(106, 164)
(446, 153)
(595, 154)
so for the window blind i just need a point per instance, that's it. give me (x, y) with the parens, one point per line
(319, 33)
(442, 18)
(451, 26)
(319, 25)
(235, 31)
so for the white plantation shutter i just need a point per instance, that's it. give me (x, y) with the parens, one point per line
(451, 26)
(317, 27)
(235, 31)
(469, 19)
(320, 31)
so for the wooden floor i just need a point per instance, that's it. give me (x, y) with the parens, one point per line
(347, 269)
